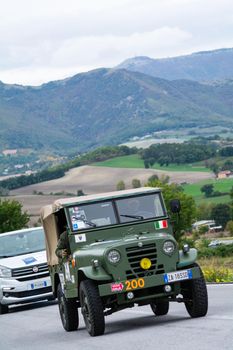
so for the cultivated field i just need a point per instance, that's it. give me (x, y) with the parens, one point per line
(92, 179)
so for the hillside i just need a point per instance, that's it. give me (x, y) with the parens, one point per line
(105, 107)
(200, 66)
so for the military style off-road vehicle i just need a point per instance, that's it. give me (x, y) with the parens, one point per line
(123, 253)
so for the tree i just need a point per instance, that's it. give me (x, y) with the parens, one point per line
(207, 189)
(231, 194)
(136, 183)
(120, 185)
(204, 211)
(80, 193)
(11, 216)
(153, 178)
(187, 215)
(221, 214)
(4, 191)
(229, 227)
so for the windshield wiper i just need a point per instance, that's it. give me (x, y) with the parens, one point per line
(138, 217)
(88, 222)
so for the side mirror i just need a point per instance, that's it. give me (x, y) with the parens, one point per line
(175, 205)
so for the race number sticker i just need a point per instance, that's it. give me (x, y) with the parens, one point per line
(117, 287)
(80, 238)
(29, 260)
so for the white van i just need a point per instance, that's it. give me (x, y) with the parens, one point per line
(24, 274)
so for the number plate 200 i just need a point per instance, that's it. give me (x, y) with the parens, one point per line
(134, 284)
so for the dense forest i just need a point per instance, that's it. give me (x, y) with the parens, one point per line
(175, 153)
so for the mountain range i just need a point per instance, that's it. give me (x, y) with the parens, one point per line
(199, 66)
(107, 106)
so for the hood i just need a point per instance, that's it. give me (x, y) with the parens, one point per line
(24, 260)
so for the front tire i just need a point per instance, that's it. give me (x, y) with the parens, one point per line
(92, 308)
(68, 311)
(160, 308)
(3, 309)
(196, 291)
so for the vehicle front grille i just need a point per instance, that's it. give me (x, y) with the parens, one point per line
(136, 254)
(27, 273)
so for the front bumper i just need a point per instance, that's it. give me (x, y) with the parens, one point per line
(152, 287)
(13, 291)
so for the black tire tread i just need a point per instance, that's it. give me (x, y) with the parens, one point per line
(70, 312)
(160, 308)
(3, 309)
(199, 305)
(90, 289)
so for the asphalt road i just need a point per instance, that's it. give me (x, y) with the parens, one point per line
(38, 327)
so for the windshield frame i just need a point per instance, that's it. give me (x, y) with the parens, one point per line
(118, 220)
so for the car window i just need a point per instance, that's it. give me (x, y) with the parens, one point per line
(21, 243)
(140, 207)
(92, 215)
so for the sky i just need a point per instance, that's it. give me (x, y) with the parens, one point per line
(45, 40)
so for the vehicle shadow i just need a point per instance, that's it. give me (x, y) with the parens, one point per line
(121, 326)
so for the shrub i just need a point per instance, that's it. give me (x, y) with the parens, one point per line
(218, 274)
(221, 251)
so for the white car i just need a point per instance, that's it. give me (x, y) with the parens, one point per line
(214, 243)
(24, 274)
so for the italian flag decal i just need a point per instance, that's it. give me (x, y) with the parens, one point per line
(161, 224)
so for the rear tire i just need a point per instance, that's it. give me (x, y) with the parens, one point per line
(160, 309)
(196, 291)
(92, 308)
(3, 309)
(68, 311)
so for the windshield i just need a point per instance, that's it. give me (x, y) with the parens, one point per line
(92, 215)
(86, 216)
(140, 207)
(22, 243)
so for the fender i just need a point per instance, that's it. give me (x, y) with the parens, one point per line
(187, 259)
(97, 274)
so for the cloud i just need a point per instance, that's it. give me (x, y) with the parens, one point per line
(52, 39)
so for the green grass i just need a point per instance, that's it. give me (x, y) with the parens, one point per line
(223, 185)
(194, 190)
(134, 161)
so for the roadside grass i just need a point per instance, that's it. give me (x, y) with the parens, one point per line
(134, 161)
(217, 269)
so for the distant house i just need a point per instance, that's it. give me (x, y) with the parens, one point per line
(9, 152)
(224, 174)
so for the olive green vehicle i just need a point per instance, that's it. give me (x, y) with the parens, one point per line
(123, 253)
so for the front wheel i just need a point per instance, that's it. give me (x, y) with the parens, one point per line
(68, 311)
(3, 309)
(196, 291)
(92, 308)
(160, 308)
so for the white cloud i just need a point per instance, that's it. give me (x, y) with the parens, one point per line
(52, 39)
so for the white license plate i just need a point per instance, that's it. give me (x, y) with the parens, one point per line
(177, 276)
(37, 285)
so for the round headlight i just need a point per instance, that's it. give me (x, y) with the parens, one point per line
(114, 256)
(168, 247)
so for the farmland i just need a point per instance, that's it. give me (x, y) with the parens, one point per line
(223, 185)
(134, 161)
